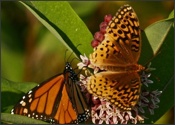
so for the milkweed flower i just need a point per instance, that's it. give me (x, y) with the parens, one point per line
(85, 62)
(104, 112)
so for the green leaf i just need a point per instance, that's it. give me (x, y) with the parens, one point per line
(171, 16)
(84, 7)
(18, 119)
(64, 23)
(158, 48)
(153, 37)
(11, 93)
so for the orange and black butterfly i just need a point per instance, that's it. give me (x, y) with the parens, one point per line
(58, 100)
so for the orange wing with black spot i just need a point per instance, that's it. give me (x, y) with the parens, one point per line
(58, 100)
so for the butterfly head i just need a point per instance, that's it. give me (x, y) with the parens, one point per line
(72, 74)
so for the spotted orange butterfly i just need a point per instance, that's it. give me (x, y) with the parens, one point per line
(117, 57)
(57, 100)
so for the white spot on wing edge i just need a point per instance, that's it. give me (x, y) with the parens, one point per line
(30, 92)
(29, 95)
(21, 101)
(12, 111)
(25, 111)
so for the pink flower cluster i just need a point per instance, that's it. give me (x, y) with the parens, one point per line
(99, 36)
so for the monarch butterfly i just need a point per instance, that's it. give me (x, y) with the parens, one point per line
(57, 100)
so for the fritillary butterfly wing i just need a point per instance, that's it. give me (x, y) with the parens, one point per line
(122, 41)
(118, 54)
(121, 89)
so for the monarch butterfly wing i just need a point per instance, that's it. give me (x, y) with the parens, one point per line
(46, 102)
(80, 103)
(77, 98)
(65, 112)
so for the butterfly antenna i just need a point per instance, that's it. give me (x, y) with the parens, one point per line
(78, 45)
(74, 59)
(72, 53)
(69, 56)
(65, 56)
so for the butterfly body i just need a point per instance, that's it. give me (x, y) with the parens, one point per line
(57, 100)
(117, 57)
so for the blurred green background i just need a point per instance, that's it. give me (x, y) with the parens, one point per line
(30, 53)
